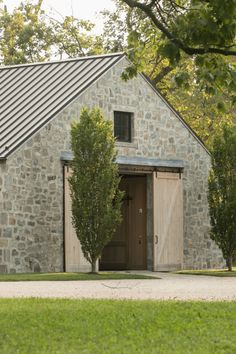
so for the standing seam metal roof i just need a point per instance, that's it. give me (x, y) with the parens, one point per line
(32, 94)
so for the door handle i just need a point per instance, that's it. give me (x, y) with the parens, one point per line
(156, 239)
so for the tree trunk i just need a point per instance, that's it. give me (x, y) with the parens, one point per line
(229, 263)
(94, 268)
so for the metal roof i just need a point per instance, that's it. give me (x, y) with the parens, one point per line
(32, 94)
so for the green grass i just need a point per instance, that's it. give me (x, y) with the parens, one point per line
(71, 276)
(29, 326)
(211, 272)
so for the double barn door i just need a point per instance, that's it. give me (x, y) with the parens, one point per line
(128, 248)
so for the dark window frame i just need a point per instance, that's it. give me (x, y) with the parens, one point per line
(123, 136)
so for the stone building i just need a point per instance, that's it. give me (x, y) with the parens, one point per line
(164, 168)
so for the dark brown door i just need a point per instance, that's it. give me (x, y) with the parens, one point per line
(127, 250)
(137, 223)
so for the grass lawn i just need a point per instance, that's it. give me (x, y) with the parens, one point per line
(71, 276)
(109, 326)
(211, 272)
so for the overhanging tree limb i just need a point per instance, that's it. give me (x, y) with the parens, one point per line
(163, 73)
(148, 10)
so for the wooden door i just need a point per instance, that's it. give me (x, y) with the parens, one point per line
(115, 254)
(137, 223)
(168, 221)
(127, 250)
(74, 258)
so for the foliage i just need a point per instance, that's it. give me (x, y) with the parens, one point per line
(199, 109)
(25, 36)
(222, 193)
(199, 87)
(105, 326)
(96, 199)
(114, 36)
(202, 30)
(28, 35)
(72, 37)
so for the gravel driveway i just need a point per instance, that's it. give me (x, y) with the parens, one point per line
(170, 286)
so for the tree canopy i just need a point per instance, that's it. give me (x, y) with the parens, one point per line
(29, 35)
(200, 87)
(196, 27)
(179, 30)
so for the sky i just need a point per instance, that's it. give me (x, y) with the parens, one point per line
(82, 9)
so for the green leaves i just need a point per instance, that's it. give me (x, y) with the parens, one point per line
(206, 24)
(129, 72)
(170, 51)
(222, 192)
(182, 79)
(221, 106)
(202, 86)
(180, 33)
(96, 199)
(28, 35)
(73, 37)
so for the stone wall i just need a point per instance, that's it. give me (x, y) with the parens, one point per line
(31, 180)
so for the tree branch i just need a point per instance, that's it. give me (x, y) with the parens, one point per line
(160, 76)
(188, 50)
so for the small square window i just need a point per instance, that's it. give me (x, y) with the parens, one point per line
(122, 126)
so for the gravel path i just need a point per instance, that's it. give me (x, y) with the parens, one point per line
(170, 286)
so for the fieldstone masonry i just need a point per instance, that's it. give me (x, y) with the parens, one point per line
(31, 180)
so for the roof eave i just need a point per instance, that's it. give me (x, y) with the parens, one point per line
(118, 54)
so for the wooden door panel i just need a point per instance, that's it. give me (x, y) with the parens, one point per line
(137, 227)
(168, 221)
(114, 255)
(127, 249)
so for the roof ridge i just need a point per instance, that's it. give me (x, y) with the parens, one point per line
(14, 66)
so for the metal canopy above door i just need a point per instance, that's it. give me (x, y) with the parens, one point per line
(132, 161)
(149, 162)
